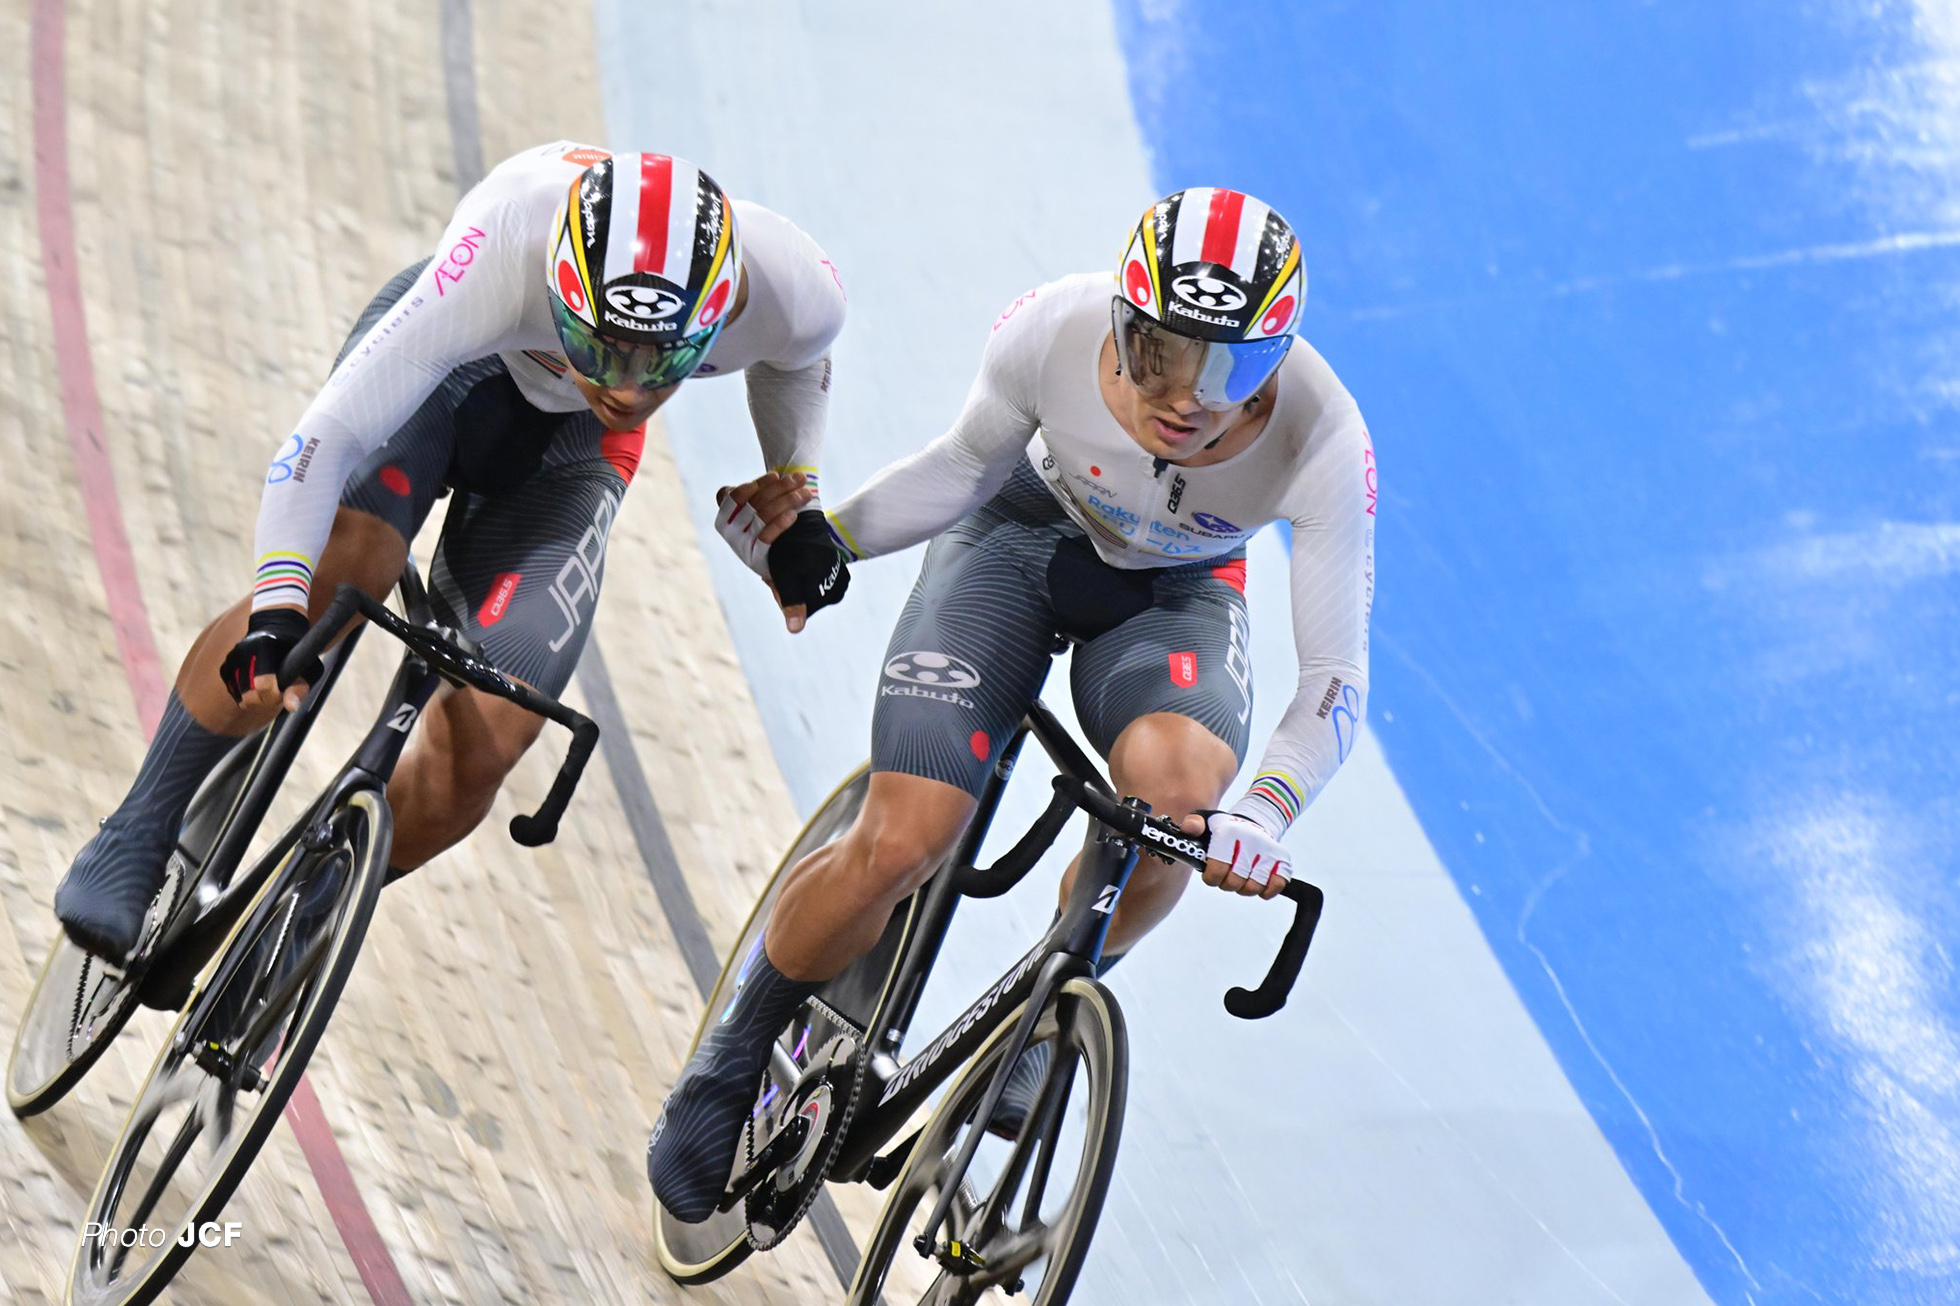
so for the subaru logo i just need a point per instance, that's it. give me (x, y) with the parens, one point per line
(1212, 522)
(646, 303)
(1201, 291)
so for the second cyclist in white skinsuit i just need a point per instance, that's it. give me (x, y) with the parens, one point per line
(1119, 446)
(569, 297)
(1036, 414)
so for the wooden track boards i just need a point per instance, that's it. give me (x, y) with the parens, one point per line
(244, 178)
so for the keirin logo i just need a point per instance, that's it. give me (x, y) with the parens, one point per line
(938, 669)
(1201, 291)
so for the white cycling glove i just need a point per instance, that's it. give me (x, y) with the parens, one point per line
(1247, 849)
(740, 525)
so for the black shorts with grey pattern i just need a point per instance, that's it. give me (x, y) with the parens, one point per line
(972, 646)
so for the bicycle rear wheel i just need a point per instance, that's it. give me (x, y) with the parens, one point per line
(233, 1058)
(1049, 1187)
(697, 1253)
(80, 1002)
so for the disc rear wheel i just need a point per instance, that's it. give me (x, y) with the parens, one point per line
(697, 1253)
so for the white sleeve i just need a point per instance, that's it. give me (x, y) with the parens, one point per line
(789, 391)
(788, 408)
(919, 496)
(467, 300)
(1333, 583)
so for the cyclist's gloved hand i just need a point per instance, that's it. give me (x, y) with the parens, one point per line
(251, 669)
(1244, 858)
(751, 517)
(808, 568)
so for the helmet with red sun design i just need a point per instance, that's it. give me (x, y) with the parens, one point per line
(1211, 287)
(645, 265)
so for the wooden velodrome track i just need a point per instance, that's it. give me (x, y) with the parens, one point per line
(195, 201)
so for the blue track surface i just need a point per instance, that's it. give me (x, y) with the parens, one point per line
(1655, 313)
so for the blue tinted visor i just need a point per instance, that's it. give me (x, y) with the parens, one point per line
(612, 363)
(1222, 374)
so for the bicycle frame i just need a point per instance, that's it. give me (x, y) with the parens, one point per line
(1071, 947)
(371, 766)
(222, 893)
(429, 658)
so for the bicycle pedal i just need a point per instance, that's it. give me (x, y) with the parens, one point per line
(221, 1065)
(774, 1153)
(955, 1257)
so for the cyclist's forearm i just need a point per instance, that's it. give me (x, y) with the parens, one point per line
(296, 513)
(915, 499)
(1315, 735)
(789, 409)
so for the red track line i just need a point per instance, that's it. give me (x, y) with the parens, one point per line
(79, 403)
(81, 408)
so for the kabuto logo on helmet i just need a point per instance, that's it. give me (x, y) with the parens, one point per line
(1208, 292)
(643, 308)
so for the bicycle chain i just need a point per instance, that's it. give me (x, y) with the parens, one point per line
(81, 989)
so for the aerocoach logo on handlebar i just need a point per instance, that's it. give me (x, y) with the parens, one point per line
(1188, 847)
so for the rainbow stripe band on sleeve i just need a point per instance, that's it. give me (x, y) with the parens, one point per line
(1281, 790)
(843, 538)
(283, 578)
(809, 474)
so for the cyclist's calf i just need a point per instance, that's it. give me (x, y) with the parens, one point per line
(468, 743)
(837, 900)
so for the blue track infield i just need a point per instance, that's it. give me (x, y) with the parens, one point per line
(1653, 311)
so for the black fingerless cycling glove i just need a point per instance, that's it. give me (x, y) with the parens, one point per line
(807, 566)
(269, 637)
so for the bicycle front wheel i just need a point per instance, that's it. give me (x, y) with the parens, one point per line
(233, 1058)
(1024, 1212)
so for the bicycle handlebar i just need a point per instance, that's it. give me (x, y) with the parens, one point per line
(1162, 836)
(539, 828)
(1004, 874)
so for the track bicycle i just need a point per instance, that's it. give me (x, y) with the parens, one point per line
(257, 958)
(835, 1095)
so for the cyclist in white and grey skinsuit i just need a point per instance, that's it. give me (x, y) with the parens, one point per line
(570, 295)
(1119, 446)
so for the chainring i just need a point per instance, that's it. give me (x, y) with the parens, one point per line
(776, 1205)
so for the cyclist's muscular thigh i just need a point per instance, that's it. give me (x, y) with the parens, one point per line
(465, 746)
(837, 900)
(363, 549)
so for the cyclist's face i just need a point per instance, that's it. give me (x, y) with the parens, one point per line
(622, 408)
(1171, 424)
